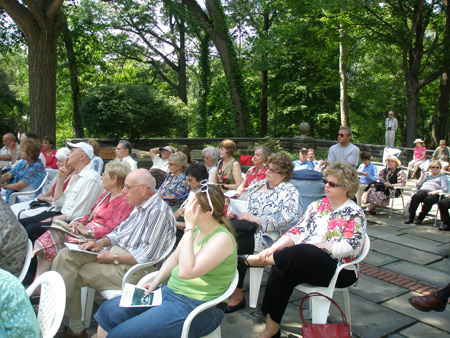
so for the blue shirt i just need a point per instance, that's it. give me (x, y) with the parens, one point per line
(33, 175)
(307, 165)
(371, 170)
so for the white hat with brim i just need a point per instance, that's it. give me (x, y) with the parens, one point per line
(168, 148)
(395, 159)
(418, 140)
(87, 148)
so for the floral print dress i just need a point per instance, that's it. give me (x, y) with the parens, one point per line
(344, 227)
(379, 198)
(225, 175)
(277, 211)
(178, 187)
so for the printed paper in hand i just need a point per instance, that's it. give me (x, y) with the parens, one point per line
(74, 247)
(238, 206)
(133, 296)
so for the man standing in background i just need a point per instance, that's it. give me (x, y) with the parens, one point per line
(391, 125)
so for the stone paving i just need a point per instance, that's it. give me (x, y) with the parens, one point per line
(404, 260)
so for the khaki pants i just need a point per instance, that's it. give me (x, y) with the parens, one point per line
(80, 269)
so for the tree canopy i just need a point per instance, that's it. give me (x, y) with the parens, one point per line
(233, 68)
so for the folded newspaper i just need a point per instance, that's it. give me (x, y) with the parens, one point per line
(134, 296)
(424, 166)
(238, 206)
(75, 247)
(62, 226)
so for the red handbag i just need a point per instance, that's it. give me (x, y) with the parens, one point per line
(339, 330)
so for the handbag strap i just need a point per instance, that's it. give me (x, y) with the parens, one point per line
(318, 294)
(91, 215)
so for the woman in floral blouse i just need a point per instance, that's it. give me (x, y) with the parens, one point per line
(258, 171)
(273, 207)
(331, 232)
(175, 188)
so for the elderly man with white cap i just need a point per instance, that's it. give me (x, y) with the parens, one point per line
(84, 187)
(160, 157)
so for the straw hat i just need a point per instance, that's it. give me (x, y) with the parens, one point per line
(395, 159)
(418, 140)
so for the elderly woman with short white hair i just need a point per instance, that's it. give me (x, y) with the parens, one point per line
(210, 157)
(175, 188)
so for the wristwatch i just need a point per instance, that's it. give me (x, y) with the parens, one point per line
(90, 232)
(188, 229)
(116, 261)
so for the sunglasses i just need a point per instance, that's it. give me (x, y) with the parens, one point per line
(331, 184)
(435, 167)
(204, 188)
(341, 135)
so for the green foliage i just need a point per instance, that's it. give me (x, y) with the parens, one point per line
(130, 111)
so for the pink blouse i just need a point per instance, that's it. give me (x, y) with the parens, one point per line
(418, 152)
(108, 215)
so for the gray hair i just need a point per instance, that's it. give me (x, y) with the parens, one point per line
(126, 145)
(265, 152)
(213, 152)
(349, 131)
(62, 153)
(180, 159)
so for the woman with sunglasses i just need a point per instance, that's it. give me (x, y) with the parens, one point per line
(273, 207)
(330, 232)
(430, 186)
(199, 270)
(380, 192)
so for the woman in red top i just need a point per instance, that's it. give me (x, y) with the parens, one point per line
(258, 171)
(49, 152)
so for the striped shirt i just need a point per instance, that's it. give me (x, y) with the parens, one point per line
(147, 232)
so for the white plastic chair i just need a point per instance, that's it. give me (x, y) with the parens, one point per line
(52, 302)
(187, 323)
(392, 197)
(320, 305)
(12, 198)
(27, 262)
(88, 294)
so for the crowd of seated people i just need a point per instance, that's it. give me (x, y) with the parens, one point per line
(110, 213)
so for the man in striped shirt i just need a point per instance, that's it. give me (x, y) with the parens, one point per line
(143, 236)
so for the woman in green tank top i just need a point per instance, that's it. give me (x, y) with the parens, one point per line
(200, 269)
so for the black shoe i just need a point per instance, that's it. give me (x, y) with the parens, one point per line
(408, 221)
(418, 221)
(233, 308)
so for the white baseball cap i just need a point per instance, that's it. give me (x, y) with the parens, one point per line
(87, 148)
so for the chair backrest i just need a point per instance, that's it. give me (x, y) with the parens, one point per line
(387, 152)
(52, 302)
(12, 198)
(27, 262)
(138, 267)
(207, 305)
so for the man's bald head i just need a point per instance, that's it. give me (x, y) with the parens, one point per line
(139, 187)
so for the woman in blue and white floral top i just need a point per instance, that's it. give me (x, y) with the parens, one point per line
(331, 232)
(273, 207)
(175, 188)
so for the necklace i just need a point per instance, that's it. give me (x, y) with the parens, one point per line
(268, 186)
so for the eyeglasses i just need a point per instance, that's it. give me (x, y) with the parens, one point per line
(172, 164)
(331, 184)
(275, 172)
(435, 167)
(341, 135)
(204, 188)
(128, 187)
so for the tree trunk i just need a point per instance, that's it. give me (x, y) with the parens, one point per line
(202, 122)
(441, 116)
(181, 53)
(73, 73)
(216, 28)
(264, 102)
(41, 24)
(412, 95)
(343, 102)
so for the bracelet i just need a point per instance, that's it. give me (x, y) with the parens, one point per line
(188, 229)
